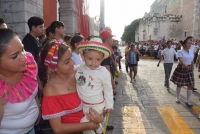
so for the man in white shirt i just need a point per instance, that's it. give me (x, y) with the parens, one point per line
(168, 56)
(156, 46)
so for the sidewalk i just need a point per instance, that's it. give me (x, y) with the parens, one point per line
(146, 107)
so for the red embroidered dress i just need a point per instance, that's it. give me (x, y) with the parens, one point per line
(66, 106)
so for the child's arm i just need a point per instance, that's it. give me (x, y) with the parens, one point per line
(107, 89)
(2, 102)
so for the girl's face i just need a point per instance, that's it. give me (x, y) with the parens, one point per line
(14, 58)
(66, 63)
(187, 45)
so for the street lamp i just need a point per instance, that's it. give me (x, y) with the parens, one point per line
(185, 32)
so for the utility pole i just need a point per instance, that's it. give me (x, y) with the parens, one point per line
(102, 15)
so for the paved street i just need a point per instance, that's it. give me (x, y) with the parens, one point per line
(146, 106)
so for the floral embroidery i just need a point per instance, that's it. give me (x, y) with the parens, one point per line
(25, 87)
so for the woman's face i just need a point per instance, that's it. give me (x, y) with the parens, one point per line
(132, 47)
(14, 58)
(187, 45)
(66, 63)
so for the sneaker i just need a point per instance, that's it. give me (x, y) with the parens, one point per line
(188, 104)
(116, 82)
(109, 127)
(178, 101)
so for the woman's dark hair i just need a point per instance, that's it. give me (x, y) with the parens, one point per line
(35, 21)
(2, 21)
(114, 47)
(181, 42)
(48, 31)
(5, 36)
(62, 49)
(67, 38)
(75, 40)
(56, 24)
(185, 41)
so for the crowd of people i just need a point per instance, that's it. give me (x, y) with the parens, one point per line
(55, 76)
(186, 52)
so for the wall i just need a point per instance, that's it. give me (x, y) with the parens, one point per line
(68, 15)
(94, 27)
(17, 13)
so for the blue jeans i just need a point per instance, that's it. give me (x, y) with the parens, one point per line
(32, 131)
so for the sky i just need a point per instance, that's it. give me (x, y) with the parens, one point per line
(120, 13)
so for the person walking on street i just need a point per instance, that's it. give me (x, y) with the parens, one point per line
(168, 56)
(126, 51)
(183, 75)
(120, 57)
(198, 62)
(193, 48)
(132, 59)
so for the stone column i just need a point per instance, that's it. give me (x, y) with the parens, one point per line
(68, 15)
(16, 13)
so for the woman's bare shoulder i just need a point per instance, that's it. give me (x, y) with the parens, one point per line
(49, 90)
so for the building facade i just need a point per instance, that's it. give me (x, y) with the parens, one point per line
(17, 12)
(94, 27)
(174, 19)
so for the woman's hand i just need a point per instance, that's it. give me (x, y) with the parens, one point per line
(93, 116)
(108, 110)
(186, 68)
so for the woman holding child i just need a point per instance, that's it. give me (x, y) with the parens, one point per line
(61, 104)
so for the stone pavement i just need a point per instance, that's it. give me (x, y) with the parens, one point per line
(146, 107)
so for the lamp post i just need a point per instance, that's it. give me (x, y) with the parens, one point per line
(185, 32)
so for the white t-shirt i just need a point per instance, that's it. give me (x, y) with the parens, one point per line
(77, 58)
(194, 48)
(19, 118)
(156, 47)
(168, 54)
(173, 46)
(186, 57)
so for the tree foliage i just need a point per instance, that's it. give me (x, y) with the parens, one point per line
(129, 31)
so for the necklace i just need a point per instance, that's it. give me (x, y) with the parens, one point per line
(68, 87)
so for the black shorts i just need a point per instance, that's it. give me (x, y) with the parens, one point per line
(132, 65)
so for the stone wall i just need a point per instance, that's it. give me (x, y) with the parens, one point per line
(17, 12)
(170, 18)
(68, 15)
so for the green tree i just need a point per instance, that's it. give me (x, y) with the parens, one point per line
(129, 31)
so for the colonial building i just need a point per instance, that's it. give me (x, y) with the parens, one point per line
(74, 13)
(174, 19)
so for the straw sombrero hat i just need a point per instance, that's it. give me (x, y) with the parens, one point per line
(95, 43)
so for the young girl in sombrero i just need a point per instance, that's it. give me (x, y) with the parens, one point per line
(93, 80)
